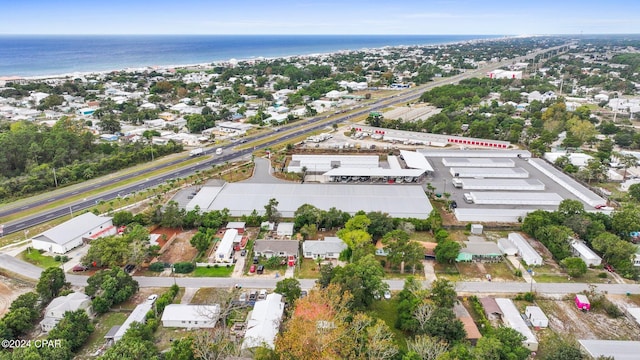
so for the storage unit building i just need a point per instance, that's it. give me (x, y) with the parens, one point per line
(536, 316)
(515, 198)
(501, 184)
(479, 162)
(485, 172)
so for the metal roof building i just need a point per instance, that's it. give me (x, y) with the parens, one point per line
(479, 162)
(512, 318)
(397, 201)
(139, 314)
(581, 250)
(322, 163)
(475, 153)
(529, 255)
(416, 160)
(70, 234)
(484, 172)
(491, 215)
(264, 322)
(225, 248)
(502, 184)
(204, 197)
(515, 198)
(618, 349)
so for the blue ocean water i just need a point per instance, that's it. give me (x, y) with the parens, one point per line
(30, 55)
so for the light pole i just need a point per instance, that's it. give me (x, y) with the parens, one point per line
(444, 181)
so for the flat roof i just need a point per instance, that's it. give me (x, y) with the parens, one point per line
(516, 197)
(489, 172)
(396, 200)
(377, 172)
(72, 228)
(618, 349)
(568, 183)
(501, 184)
(204, 197)
(474, 153)
(415, 160)
(185, 312)
(478, 162)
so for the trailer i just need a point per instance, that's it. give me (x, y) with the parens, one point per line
(582, 302)
(515, 198)
(486, 172)
(196, 152)
(499, 184)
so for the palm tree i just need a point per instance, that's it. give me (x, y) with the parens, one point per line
(628, 161)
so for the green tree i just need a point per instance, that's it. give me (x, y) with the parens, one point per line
(202, 240)
(52, 280)
(307, 214)
(181, 349)
(625, 220)
(289, 288)
(271, 210)
(447, 251)
(380, 224)
(444, 325)
(122, 218)
(634, 191)
(363, 279)
(443, 293)
(401, 250)
(575, 266)
(75, 327)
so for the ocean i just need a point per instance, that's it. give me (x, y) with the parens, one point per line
(44, 55)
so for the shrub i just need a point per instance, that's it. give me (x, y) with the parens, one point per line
(602, 275)
(56, 258)
(518, 273)
(183, 267)
(157, 267)
(611, 309)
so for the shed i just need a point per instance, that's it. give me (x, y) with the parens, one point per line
(238, 225)
(285, 229)
(536, 316)
(476, 229)
(582, 302)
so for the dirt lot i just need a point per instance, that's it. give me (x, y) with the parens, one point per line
(9, 290)
(180, 249)
(565, 318)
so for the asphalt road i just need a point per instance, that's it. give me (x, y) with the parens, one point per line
(209, 158)
(484, 287)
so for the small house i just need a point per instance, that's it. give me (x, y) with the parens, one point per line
(59, 306)
(285, 229)
(536, 317)
(190, 316)
(329, 248)
(582, 302)
(580, 249)
(271, 248)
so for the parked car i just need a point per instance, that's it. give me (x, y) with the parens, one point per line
(609, 268)
(260, 269)
(243, 252)
(387, 295)
(255, 260)
(252, 269)
(152, 297)
(80, 267)
(129, 268)
(262, 295)
(253, 295)
(243, 297)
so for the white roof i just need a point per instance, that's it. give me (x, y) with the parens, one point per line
(512, 318)
(535, 312)
(184, 312)
(527, 251)
(516, 197)
(635, 313)
(226, 243)
(264, 322)
(71, 302)
(236, 225)
(416, 160)
(330, 244)
(285, 227)
(375, 172)
(138, 314)
(502, 184)
(397, 201)
(73, 228)
(203, 198)
(618, 349)
(583, 299)
(489, 172)
(474, 153)
(584, 250)
(478, 162)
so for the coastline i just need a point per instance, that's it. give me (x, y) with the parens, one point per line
(213, 63)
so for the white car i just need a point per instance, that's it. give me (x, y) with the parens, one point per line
(152, 297)
(387, 295)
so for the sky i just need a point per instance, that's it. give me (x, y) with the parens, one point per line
(420, 17)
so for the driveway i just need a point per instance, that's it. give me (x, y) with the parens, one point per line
(262, 173)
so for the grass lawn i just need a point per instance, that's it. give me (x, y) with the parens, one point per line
(102, 325)
(447, 271)
(422, 236)
(308, 269)
(387, 310)
(221, 271)
(501, 270)
(36, 258)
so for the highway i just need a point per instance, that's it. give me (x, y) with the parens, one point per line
(229, 154)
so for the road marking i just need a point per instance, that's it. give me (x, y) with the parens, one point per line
(24, 207)
(75, 192)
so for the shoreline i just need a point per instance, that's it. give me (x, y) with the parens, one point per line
(9, 78)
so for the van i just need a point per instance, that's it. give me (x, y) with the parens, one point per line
(260, 269)
(468, 198)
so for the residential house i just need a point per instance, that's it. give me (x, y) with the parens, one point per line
(59, 306)
(479, 251)
(224, 252)
(511, 317)
(529, 255)
(72, 233)
(139, 314)
(285, 229)
(264, 322)
(581, 250)
(329, 248)
(271, 248)
(470, 327)
(190, 316)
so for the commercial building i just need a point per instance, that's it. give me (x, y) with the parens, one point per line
(515, 198)
(71, 234)
(486, 172)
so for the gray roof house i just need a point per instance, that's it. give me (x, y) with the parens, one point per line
(270, 248)
(329, 248)
(59, 306)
